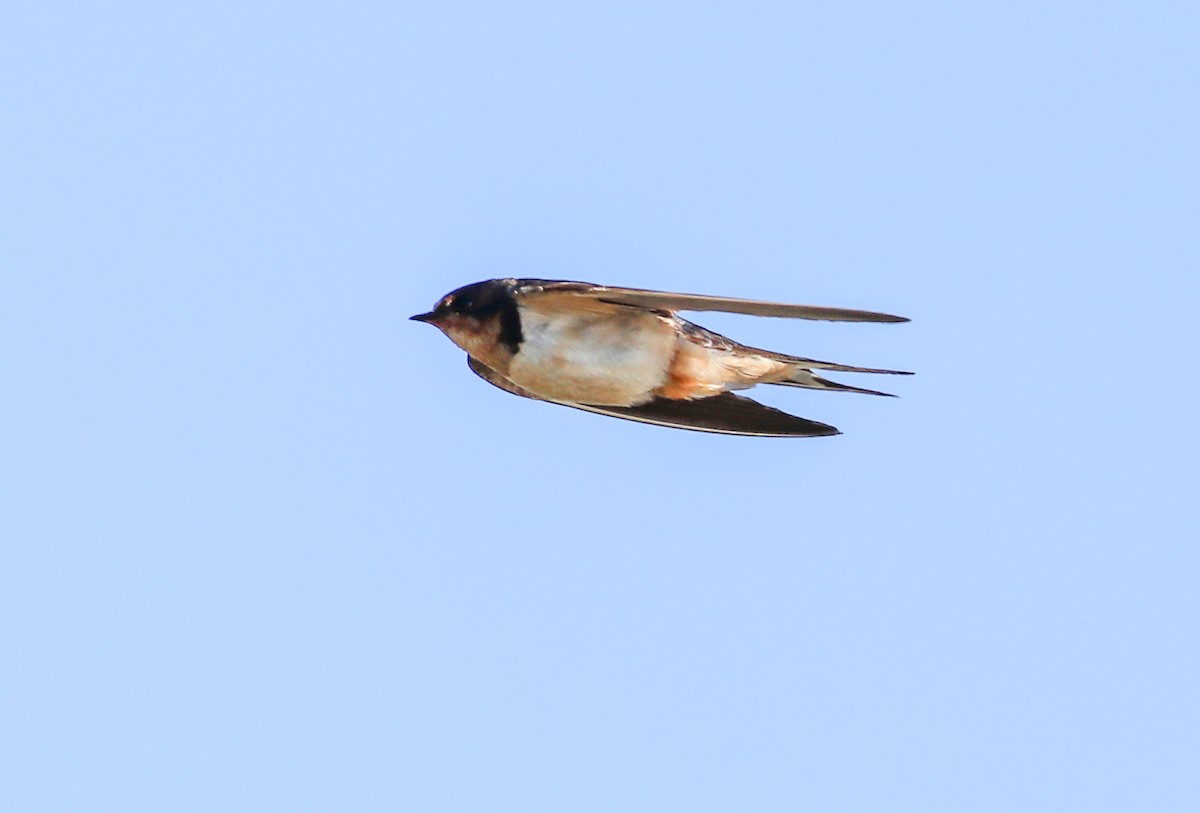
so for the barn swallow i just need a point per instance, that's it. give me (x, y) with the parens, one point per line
(626, 353)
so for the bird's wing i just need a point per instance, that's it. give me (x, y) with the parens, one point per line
(664, 300)
(725, 414)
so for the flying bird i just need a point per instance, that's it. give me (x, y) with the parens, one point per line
(626, 353)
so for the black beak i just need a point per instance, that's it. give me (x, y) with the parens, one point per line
(424, 317)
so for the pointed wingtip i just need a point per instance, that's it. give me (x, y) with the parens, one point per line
(809, 434)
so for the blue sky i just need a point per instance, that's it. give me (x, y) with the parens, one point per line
(270, 546)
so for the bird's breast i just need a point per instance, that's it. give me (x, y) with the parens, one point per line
(611, 359)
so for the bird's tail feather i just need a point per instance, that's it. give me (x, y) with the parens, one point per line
(814, 364)
(803, 377)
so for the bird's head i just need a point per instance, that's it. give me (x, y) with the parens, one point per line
(478, 317)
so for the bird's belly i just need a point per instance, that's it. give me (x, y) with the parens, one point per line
(604, 359)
